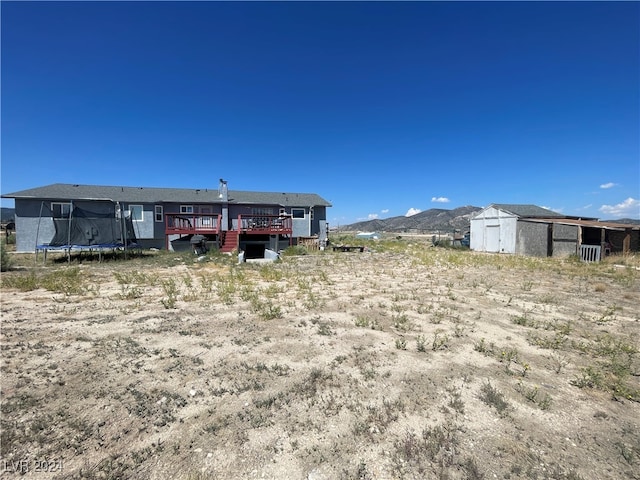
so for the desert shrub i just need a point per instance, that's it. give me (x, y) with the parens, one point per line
(444, 243)
(294, 250)
(69, 281)
(493, 397)
(434, 450)
(5, 258)
(171, 293)
(24, 282)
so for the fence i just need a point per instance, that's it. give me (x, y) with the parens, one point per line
(590, 253)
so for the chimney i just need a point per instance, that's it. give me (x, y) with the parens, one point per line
(224, 198)
(222, 191)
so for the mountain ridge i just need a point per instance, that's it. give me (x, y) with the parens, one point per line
(432, 220)
(435, 220)
(7, 214)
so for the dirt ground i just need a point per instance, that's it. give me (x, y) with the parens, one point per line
(403, 361)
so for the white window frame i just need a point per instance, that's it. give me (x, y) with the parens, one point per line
(158, 212)
(260, 211)
(296, 211)
(186, 209)
(133, 218)
(61, 206)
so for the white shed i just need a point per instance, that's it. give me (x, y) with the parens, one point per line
(496, 228)
(493, 230)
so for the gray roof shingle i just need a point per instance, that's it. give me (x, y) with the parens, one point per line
(65, 191)
(527, 211)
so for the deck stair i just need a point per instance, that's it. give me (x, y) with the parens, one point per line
(229, 241)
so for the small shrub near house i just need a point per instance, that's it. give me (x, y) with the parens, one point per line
(5, 257)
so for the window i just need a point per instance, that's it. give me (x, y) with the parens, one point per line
(136, 213)
(60, 210)
(159, 213)
(297, 212)
(206, 219)
(186, 208)
(282, 211)
(261, 211)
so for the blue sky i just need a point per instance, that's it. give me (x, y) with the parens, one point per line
(384, 109)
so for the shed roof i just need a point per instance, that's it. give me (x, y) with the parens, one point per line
(527, 210)
(68, 192)
(588, 223)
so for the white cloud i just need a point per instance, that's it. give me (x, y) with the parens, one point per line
(628, 208)
(372, 216)
(412, 211)
(386, 210)
(557, 210)
(440, 199)
(608, 185)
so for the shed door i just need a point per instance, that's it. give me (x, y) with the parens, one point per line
(492, 239)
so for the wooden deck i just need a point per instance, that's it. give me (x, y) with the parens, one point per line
(181, 224)
(265, 224)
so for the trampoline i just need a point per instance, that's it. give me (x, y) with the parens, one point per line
(87, 231)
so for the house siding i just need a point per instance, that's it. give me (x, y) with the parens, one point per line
(319, 223)
(302, 226)
(28, 228)
(144, 229)
(159, 227)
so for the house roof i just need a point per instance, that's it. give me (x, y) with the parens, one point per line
(69, 192)
(527, 210)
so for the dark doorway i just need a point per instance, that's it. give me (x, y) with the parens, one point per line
(591, 236)
(254, 250)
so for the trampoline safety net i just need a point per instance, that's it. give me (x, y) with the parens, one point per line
(93, 229)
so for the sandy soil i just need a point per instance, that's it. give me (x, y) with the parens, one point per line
(400, 362)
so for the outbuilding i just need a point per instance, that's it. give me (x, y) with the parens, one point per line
(368, 235)
(535, 231)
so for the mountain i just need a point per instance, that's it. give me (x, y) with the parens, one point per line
(433, 220)
(7, 214)
(627, 221)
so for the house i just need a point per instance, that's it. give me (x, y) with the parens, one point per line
(167, 218)
(536, 231)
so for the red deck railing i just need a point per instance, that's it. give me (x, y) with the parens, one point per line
(265, 224)
(180, 223)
